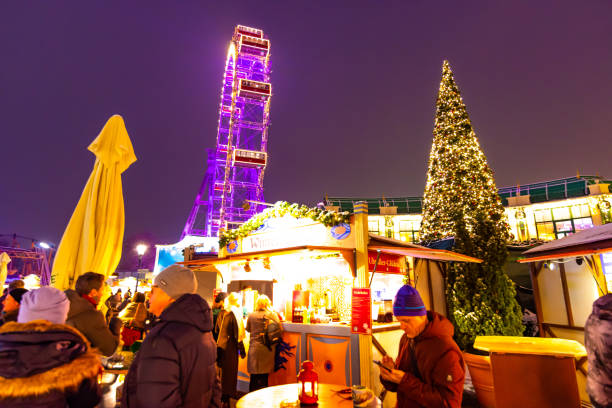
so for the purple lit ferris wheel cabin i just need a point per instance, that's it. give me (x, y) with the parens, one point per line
(235, 168)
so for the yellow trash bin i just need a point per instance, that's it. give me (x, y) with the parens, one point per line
(533, 371)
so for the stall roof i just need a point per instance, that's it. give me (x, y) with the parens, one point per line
(397, 247)
(592, 241)
(376, 242)
(252, 255)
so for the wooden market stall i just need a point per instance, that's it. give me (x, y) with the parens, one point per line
(313, 274)
(568, 275)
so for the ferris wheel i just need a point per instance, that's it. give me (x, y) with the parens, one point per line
(235, 168)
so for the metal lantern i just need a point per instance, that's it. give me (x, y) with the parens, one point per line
(308, 380)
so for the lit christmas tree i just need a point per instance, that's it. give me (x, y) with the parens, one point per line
(461, 201)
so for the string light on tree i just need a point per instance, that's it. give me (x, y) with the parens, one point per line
(461, 201)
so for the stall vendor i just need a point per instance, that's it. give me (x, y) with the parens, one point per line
(429, 369)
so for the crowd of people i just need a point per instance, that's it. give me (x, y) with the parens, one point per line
(51, 341)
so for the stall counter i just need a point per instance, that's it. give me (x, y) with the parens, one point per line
(332, 348)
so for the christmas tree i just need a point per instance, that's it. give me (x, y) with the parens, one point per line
(461, 201)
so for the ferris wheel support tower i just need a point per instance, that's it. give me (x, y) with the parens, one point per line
(235, 168)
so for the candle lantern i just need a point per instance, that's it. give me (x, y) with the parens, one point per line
(308, 381)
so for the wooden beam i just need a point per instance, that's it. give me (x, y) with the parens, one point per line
(593, 266)
(536, 293)
(431, 300)
(563, 326)
(549, 331)
(566, 295)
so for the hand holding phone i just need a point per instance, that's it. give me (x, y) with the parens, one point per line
(378, 363)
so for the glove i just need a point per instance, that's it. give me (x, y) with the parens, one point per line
(241, 350)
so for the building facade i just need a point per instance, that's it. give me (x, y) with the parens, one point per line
(535, 212)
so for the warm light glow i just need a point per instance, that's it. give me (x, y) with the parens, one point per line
(31, 282)
(141, 249)
(308, 388)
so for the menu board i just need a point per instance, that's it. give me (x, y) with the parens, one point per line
(361, 313)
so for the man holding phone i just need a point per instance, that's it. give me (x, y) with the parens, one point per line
(429, 369)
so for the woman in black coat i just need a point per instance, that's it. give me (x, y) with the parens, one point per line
(229, 343)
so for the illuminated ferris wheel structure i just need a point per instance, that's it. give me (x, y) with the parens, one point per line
(235, 168)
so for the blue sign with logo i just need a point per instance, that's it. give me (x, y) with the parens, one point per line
(341, 231)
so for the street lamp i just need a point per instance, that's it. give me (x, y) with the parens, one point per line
(140, 250)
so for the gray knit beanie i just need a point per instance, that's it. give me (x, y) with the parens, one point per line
(176, 281)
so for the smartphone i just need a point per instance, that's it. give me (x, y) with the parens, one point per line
(378, 363)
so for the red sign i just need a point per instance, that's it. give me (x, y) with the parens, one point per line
(386, 264)
(361, 316)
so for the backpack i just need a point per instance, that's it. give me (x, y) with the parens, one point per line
(272, 332)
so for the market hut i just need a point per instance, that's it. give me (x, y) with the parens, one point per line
(331, 281)
(567, 276)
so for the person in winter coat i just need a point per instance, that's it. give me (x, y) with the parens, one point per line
(598, 344)
(126, 301)
(229, 346)
(175, 366)
(11, 305)
(46, 363)
(112, 305)
(218, 310)
(84, 316)
(429, 369)
(16, 284)
(133, 317)
(260, 360)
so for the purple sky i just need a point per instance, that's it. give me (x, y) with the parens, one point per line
(353, 107)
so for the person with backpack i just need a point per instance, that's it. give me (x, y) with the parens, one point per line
(264, 326)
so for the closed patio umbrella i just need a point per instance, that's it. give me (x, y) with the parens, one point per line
(93, 238)
(4, 260)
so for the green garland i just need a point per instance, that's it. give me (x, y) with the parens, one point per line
(280, 209)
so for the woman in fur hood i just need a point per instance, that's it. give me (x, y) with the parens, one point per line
(43, 362)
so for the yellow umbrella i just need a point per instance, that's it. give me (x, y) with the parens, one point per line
(93, 238)
(4, 260)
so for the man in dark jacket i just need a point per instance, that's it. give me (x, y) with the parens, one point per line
(175, 366)
(429, 369)
(84, 316)
(598, 343)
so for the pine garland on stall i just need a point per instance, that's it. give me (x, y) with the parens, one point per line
(461, 201)
(280, 209)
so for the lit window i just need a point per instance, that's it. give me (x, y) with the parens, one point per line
(543, 215)
(562, 213)
(581, 210)
(581, 224)
(546, 231)
(373, 227)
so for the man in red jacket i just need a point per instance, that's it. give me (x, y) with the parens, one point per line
(429, 369)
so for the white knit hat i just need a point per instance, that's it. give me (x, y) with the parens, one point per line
(46, 303)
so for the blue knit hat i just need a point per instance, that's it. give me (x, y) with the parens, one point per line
(408, 302)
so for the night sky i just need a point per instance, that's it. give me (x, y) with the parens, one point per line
(354, 86)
